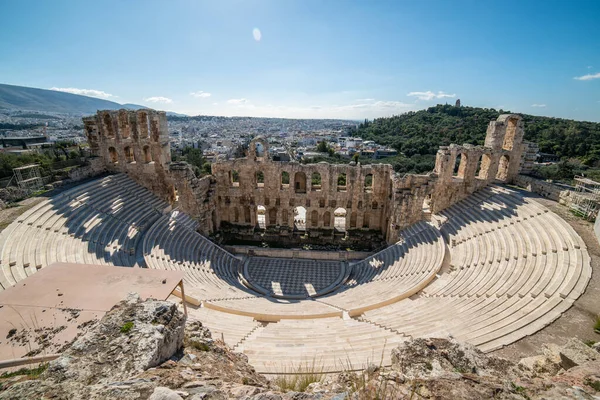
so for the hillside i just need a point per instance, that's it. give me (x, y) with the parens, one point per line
(33, 99)
(421, 133)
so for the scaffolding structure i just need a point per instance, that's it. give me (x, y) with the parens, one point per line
(585, 198)
(28, 178)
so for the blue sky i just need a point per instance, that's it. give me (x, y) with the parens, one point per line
(311, 59)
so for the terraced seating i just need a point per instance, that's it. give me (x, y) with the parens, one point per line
(211, 272)
(395, 273)
(99, 222)
(515, 267)
(328, 344)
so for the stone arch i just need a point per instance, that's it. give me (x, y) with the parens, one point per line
(273, 216)
(353, 218)
(147, 154)
(300, 182)
(247, 215)
(260, 179)
(110, 132)
(314, 219)
(260, 217)
(114, 157)
(327, 219)
(300, 218)
(339, 219)
(284, 217)
(234, 178)
(462, 165)
(236, 214)
(374, 205)
(258, 148)
(511, 130)
(341, 182)
(315, 182)
(129, 156)
(123, 120)
(484, 166)
(285, 179)
(368, 184)
(366, 221)
(503, 165)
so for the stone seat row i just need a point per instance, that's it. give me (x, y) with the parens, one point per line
(211, 272)
(325, 345)
(397, 272)
(68, 228)
(496, 292)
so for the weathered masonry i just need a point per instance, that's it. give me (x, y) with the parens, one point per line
(255, 198)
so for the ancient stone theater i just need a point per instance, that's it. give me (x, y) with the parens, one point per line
(456, 251)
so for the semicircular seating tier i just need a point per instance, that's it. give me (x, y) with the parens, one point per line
(98, 222)
(490, 270)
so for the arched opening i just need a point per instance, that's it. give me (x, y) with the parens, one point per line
(374, 205)
(327, 219)
(129, 154)
(353, 218)
(427, 204)
(366, 221)
(114, 157)
(460, 165)
(503, 168)
(260, 179)
(259, 149)
(509, 136)
(285, 180)
(315, 182)
(234, 178)
(369, 183)
(284, 217)
(108, 124)
(247, 216)
(147, 154)
(300, 218)
(260, 217)
(484, 166)
(236, 215)
(341, 183)
(314, 219)
(272, 216)
(123, 124)
(300, 182)
(339, 219)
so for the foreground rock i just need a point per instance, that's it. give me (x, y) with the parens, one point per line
(145, 350)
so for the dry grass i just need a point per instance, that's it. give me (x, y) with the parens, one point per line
(298, 378)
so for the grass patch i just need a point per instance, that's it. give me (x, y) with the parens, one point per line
(597, 325)
(593, 384)
(30, 372)
(519, 390)
(589, 343)
(300, 377)
(127, 326)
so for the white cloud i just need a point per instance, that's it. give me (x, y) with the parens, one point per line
(588, 77)
(237, 101)
(256, 34)
(158, 99)
(200, 94)
(538, 105)
(364, 100)
(429, 95)
(85, 92)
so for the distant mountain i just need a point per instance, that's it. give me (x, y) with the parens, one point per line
(42, 100)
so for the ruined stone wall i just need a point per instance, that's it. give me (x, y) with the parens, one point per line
(368, 203)
(137, 143)
(363, 200)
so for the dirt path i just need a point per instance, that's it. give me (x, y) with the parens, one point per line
(579, 320)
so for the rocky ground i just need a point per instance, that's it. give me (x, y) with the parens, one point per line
(145, 350)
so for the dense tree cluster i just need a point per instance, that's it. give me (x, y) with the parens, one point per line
(417, 135)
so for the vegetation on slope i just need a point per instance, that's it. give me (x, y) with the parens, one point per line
(419, 134)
